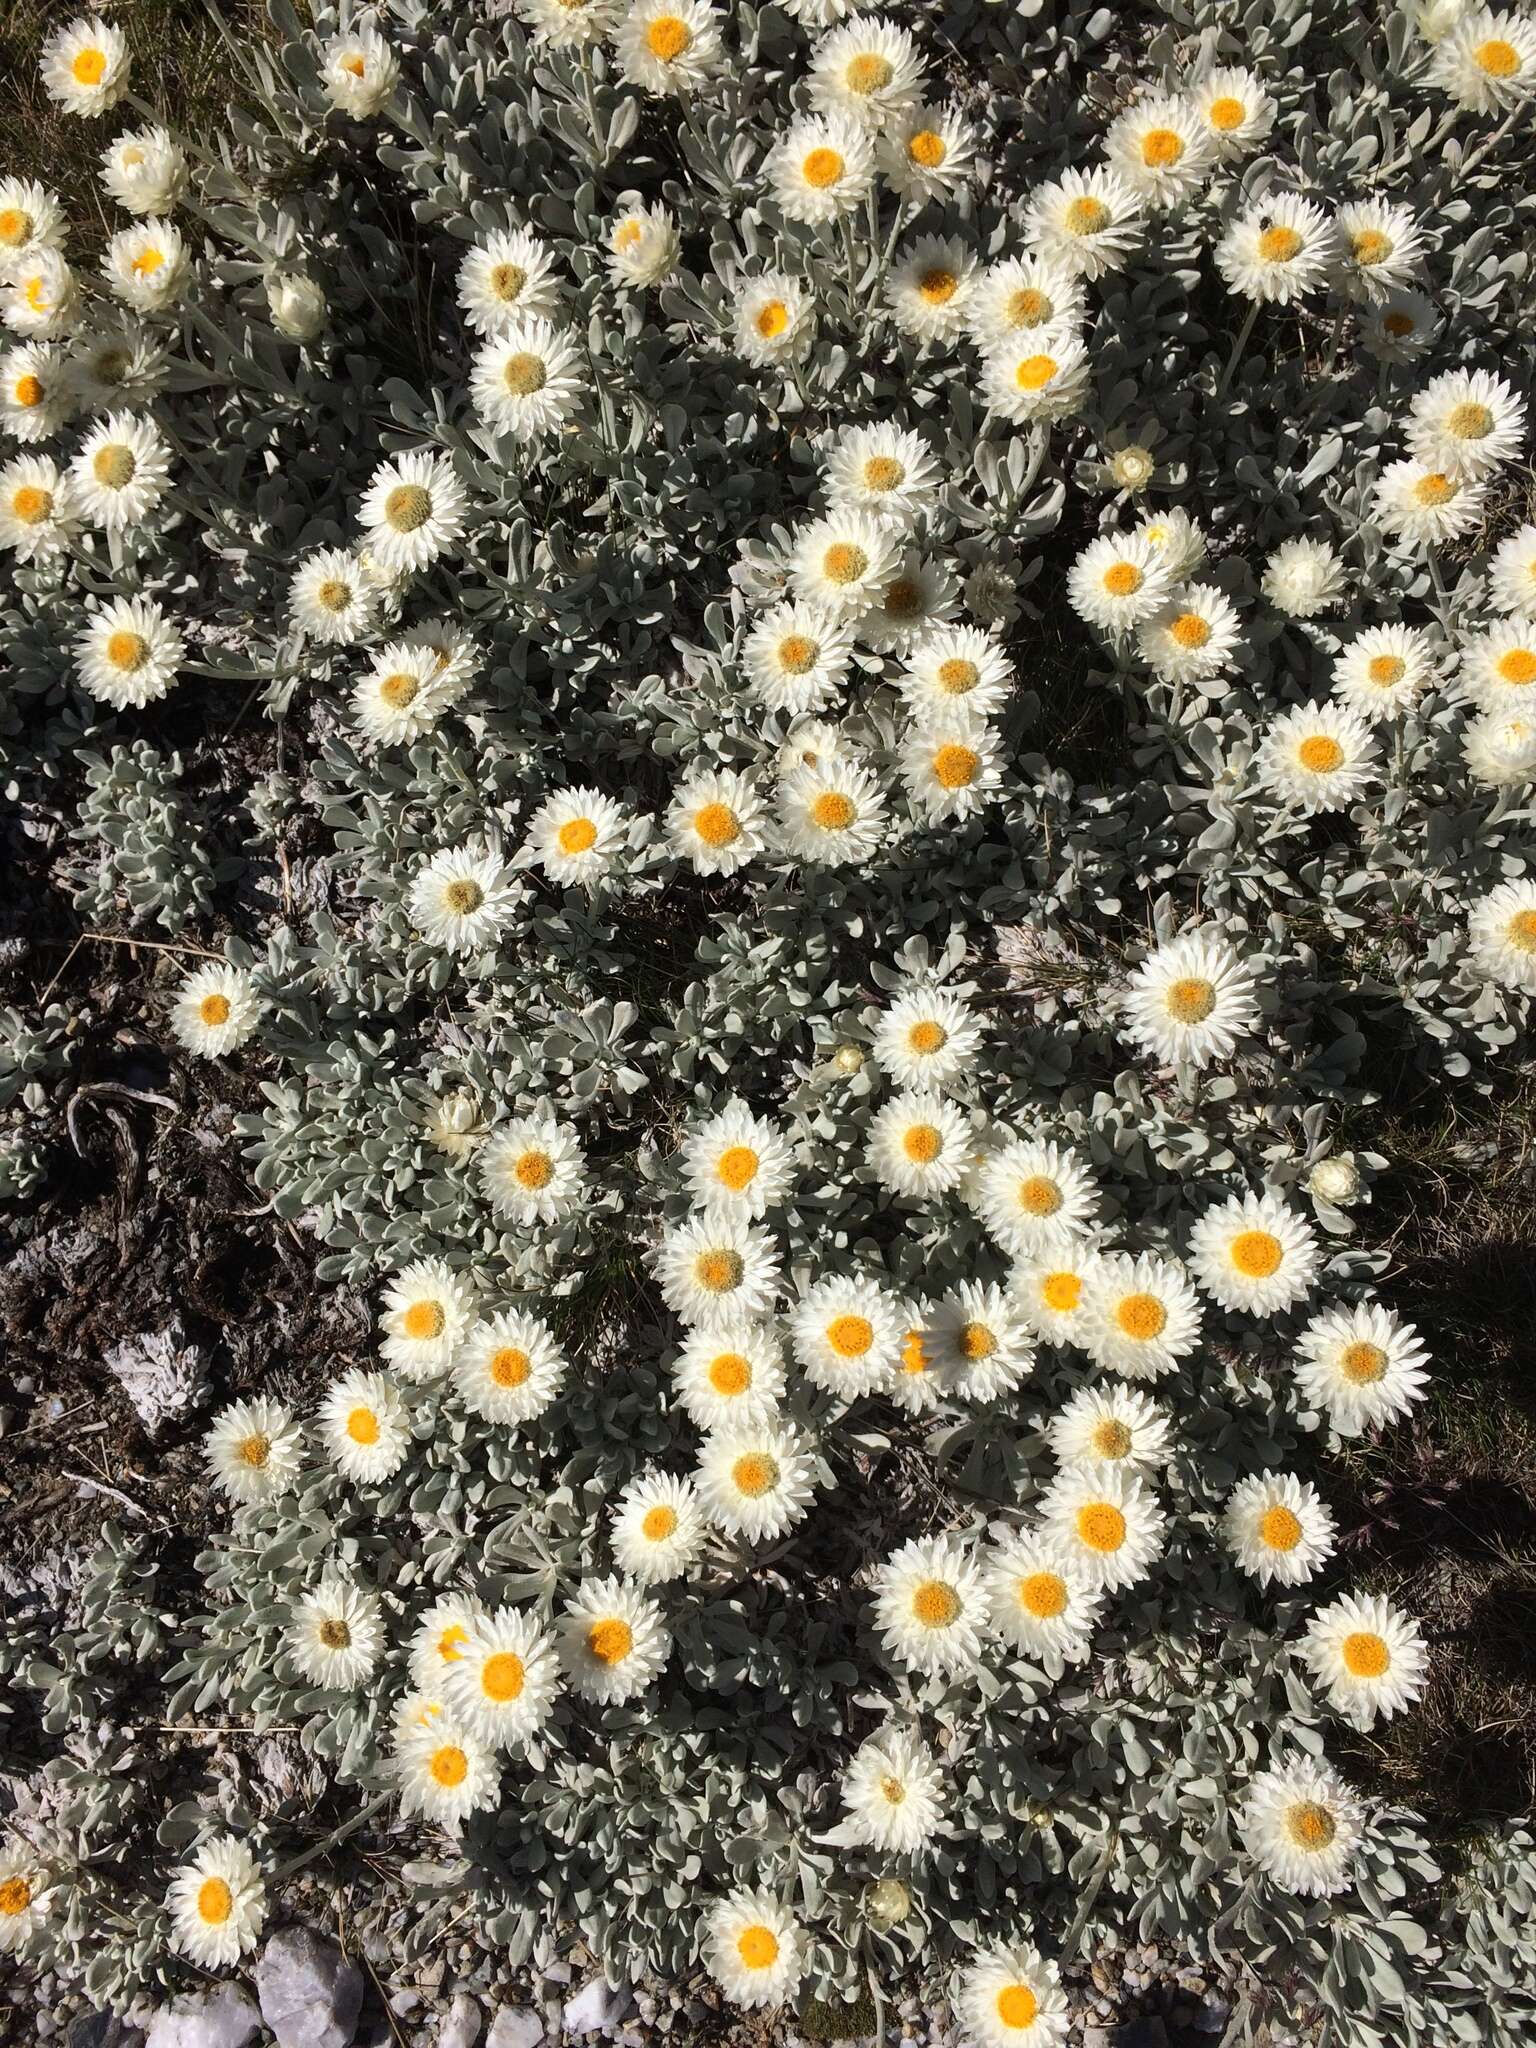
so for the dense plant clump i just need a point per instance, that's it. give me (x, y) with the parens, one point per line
(901, 639)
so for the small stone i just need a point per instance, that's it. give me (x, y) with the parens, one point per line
(1212, 2016)
(405, 2001)
(558, 1973)
(595, 2007)
(515, 2027)
(310, 1994)
(461, 2023)
(103, 2030)
(224, 2018)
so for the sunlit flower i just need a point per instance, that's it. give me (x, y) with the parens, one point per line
(1036, 376)
(217, 1904)
(364, 1427)
(1235, 108)
(978, 1343)
(928, 288)
(147, 266)
(445, 1774)
(846, 1333)
(869, 69)
(1278, 1529)
(509, 1368)
(774, 319)
(1383, 247)
(1362, 1366)
(1141, 1315)
(1254, 1254)
(1088, 221)
(1191, 1000)
(1318, 757)
(1161, 148)
(359, 72)
(1487, 62)
(144, 170)
(1192, 637)
(717, 1268)
(85, 66)
(1367, 1656)
(821, 166)
(895, 1793)
(1303, 1827)
(926, 152)
(1501, 934)
(1283, 247)
(441, 1638)
(1031, 1194)
(532, 1169)
(611, 1640)
(462, 898)
(1302, 578)
(643, 245)
(832, 813)
(930, 1606)
(428, 1309)
(25, 1902)
(36, 396)
(527, 380)
(31, 219)
(331, 599)
(885, 470)
(716, 821)
(658, 1528)
(1386, 669)
(919, 1145)
(503, 1679)
(1110, 1425)
(730, 1374)
(336, 1634)
(1024, 298)
(413, 509)
(1106, 1521)
(1511, 573)
(752, 1948)
(216, 1010)
(756, 1479)
(668, 46)
(1467, 422)
(1422, 507)
(926, 1039)
(254, 1450)
(738, 1162)
(121, 473)
(1117, 581)
(129, 653)
(1051, 1288)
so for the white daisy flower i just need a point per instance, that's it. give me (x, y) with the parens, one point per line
(1487, 62)
(24, 1898)
(462, 898)
(643, 244)
(738, 1162)
(507, 278)
(1178, 540)
(359, 72)
(576, 836)
(928, 289)
(527, 380)
(1111, 1425)
(569, 23)
(1386, 669)
(1278, 1529)
(1498, 666)
(1433, 20)
(1162, 148)
(411, 1711)
(1031, 1195)
(1192, 637)
(978, 1343)
(1106, 1521)
(1011, 1997)
(752, 1948)
(717, 1268)
(1501, 936)
(444, 1774)
(1499, 748)
(39, 298)
(1117, 581)
(884, 470)
(31, 219)
(716, 821)
(441, 1638)
(401, 696)
(1283, 247)
(1302, 578)
(144, 170)
(217, 1904)
(774, 319)
(951, 767)
(36, 396)
(1362, 1365)
(1254, 1255)
(842, 561)
(927, 1039)
(336, 1633)
(820, 167)
(121, 473)
(509, 1368)
(1236, 110)
(1024, 299)
(930, 1606)
(129, 654)
(831, 813)
(1318, 757)
(1511, 573)
(918, 599)
(1401, 327)
(216, 1010)
(1191, 1000)
(1383, 247)
(503, 1680)
(895, 1794)
(1089, 221)
(1040, 1600)
(118, 364)
(612, 1641)
(1303, 1826)
(1422, 507)
(255, 1450)
(869, 70)
(847, 1333)
(658, 1528)
(454, 652)
(364, 1427)
(532, 1169)
(1050, 1290)
(919, 1145)
(812, 743)
(85, 66)
(926, 152)
(1367, 1656)
(296, 306)
(330, 598)
(1042, 376)
(427, 1312)
(147, 267)
(731, 1374)
(798, 656)
(756, 1479)
(668, 46)
(955, 668)
(1141, 1315)
(412, 511)
(1468, 422)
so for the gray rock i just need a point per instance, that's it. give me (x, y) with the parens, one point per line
(595, 2007)
(310, 1994)
(1213, 2016)
(515, 2027)
(461, 2023)
(104, 2030)
(222, 2018)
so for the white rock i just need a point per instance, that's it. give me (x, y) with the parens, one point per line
(594, 2008)
(515, 2027)
(310, 1994)
(221, 2018)
(461, 2023)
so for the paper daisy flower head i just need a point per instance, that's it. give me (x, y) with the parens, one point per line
(1303, 1826)
(978, 1343)
(462, 898)
(1318, 757)
(147, 267)
(1498, 666)
(528, 379)
(1254, 1254)
(1178, 539)
(1386, 669)
(1279, 250)
(36, 395)
(359, 72)
(919, 1145)
(121, 473)
(336, 1634)
(930, 1606)
(756, 1479)
(797, 657)
(643, 246)
(1106, 1520)
(364, 1427)
(1468, 422)
(577, 837)
(717, 1268)
(1040, 1601)
(1511, 573)
(1090, 222)
(413, 510)
(927, 1039)
(1162, 148)
(921, 596)
(217, 1904)
(955, 669)
(752, 1948)
(1487, 61)
(24, 1901)
(31, 219)
(331, 599)
(1037, 377)
(1302, 578)
(738, 1162)
(668, 46)
(716, 821)
(442, 1636)
(215, 1011)
(926, 152)
(444, 1773)
(1117, 581)
(1192, 637)
(774, 319)
(847, 1335)
(1024, 299)
(1050, 1289)
(1500, 748)
(1236, 110)
(426, 1316)
(36, 509)
(502, 1683)
(842, 562)
(1383, 248)
(929, 288)
(401, 696)
(1110, 1425)
(869, 70)
(533, 1170)
(895, 1794)
(85, 66)
(1362, 1366)
(1367, 1656)
(40, 297)
(831, 814)
(129, 654)
(254, 1450)
(1141, 1315)
(1278, 1529)
(1501, 933)
(886, 471)
(508, 1368)
(612, 1641)
(1031, 1194)
(658, 1528)
(952, 767)
(729, 1375)
(1011, 1997)
(509, 277)
(567, 23)
(1422, 506)
(1191, 1001)
(1401, 328)
(820, 167)
(144, 170)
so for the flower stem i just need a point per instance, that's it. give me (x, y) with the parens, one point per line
(1238, 346)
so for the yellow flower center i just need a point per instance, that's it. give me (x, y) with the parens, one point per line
(938, 286)
(1101, 1525)
(1520, 932)
(833, 811)
(148, 261)
(892, 1791)
(577, 835)
(334, 1633)
(1061, 1292)
(15, 1897)
(755, 1474)
(1017, 2006)
(502, 1677)
(1110, 1438)
(1362, 1363)
(719, 1271)
(1035, 372)
(772, 319)
(1279, 1529)
(127, 650)
(524, 373)
(1086, 216)
(922, 1143)
(1043, 1594)
(954, 767)
(822, 167)
(844, 562)
(1279, 245)
(1190, 630)
(400, 689)
(737, 1167)
(90, 66)
(333, 595)
(15, 227)
(424, 1320)
(667, 37)
(1161, 148)
(1309, 1825)
(354, 66)
(868, 72)
(1027, 307)
(215, 1901)
(534, 1169)
(927, 1037)
(1385, 670)
(716, 824)
(936, 1605)
(214, 1010)
(797, 654)
(758, 1947)
(730, 1373)
(957, 677)
(1257, 1253)
(610, 1640)
(850, 1336)
(114, 466)
(1141, 1316)
(1372, 246)
(450, 1644)
(1366, 1655)
(509, 1367)
(464, 896)
(1123, 579)
(1190, 1000)
(1320, 754)
(914, 1359)
(976, 1342)
(1517, 666)
(449, 1765)
(1497, 58)
(507, 281)
(1038, 1195)
(28, 391)
(1226, 114)
(882, 473)
(363, 1426)
(1398, 325)
(658, 1524)
(1435, 489)
(408, 506)
(926, 149)
(255, 1450)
